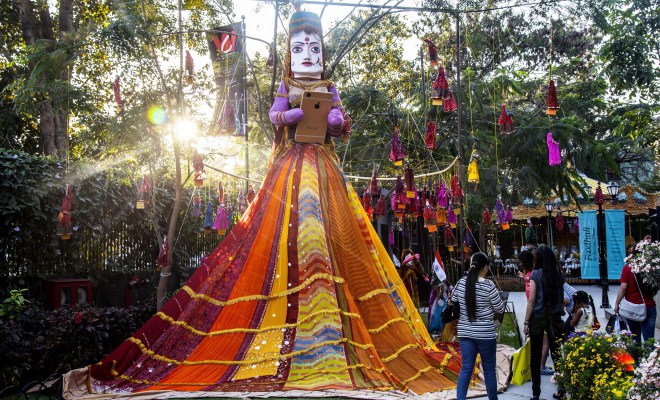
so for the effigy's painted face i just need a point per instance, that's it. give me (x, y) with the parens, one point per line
(306, 55)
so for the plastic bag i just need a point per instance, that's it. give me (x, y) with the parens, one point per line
(520, 369)
(616, 324)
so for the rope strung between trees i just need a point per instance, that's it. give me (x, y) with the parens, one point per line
(368, 178)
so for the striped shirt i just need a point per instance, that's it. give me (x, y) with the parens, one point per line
(488, 303)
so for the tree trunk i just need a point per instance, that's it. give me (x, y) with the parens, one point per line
(60, 133)
(47, 128)
(27, 22)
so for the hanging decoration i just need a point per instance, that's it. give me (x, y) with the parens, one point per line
(208, 218)
(199, 175)
(242, 202)
(143, 193)
(430, 217)
(190, 68)
(379, 210)
(450, 239)
(64, 230)
(576, 226)
(409, 179)
(271, 58)
(473, 169)
(559, 220)
(508, 215)
(251, 195)
(506, 121)
(391, 237)
(397, 153)
(439, 88)
(456, 190)
(162, 260)
(373, 189)
(486, 216)
(221, 193)
(429, 139)
(449, 103)
(197, 203)
(399, 199)
(599, 199)
(551, 102)
(451, 216)
(468, 242)
(501, 215)
(117, 90)
(347, 125)
(554, 153)
(530, 233)
(441, 196)
(366, 203)
(221, 222)
(432, 51)
(413, 205)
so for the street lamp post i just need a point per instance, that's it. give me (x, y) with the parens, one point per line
(548, 208)
(599, 200)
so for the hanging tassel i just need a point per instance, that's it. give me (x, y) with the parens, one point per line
(162, 260)
(221, 223)
(429, 139)
(199, 175)
(430, 218)
(432, 51)
(551, 102)
(456, 190)
(190, 68)
(450, 103)
(117, 90)
(559, 220)
(450, 239)
(374, 181)
(486, 217)
(439, 88)
(208, 218)
(397, 154)
(64, 230)
(251, 195)
(143, 193)
(473, 169)
(366, 204)
(379, 211)
(506, 121)
(554, 153)
(197, 203)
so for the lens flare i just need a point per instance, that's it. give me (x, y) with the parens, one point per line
(157, 115)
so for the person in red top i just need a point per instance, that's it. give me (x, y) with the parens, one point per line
(634, 294)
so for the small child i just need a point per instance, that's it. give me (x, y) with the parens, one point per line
(582, 319)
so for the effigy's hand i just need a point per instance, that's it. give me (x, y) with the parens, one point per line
(335, 122)
(285, 118)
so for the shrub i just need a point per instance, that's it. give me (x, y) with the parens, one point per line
(646, 383)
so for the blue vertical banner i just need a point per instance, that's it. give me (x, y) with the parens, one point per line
(589, 244)
(615, 241)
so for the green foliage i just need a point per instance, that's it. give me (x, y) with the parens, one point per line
(12, 307)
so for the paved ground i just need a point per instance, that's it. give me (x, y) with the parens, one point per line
(519, 301)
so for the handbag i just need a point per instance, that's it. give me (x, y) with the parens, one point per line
(633, 311)
(520, 368)
(616, 324)
(451, 312)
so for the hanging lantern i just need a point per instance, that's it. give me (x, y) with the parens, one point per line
(208, 218)
(379, 211)
(599, 199)
(251, 195)
(162, 260)
(366, 204)
(559, 220)
(456, 190)
(439, 88)
(473, 169)
(143, 193)
(373, 189)
(399, 199)
(190, 68)
(199, 175)
(551, 102)
(554, 153)
(432, 51)
(451, 216)
(486, 217)
(450, 103)
(64, 230)
(450, 239)
(221, 193)
(505, 121)
(430, 218)
(429, 139)
(117, 91)
(221, 223)
(397, 154)
(197, 203)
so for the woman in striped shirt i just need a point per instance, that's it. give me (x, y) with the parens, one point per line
(479, 300)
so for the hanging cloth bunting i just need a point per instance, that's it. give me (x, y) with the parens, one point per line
(197, 203)
(379, 211)
(221, 222)
(366, 204)
(117, 90)
(251, 195)
(551, 102)
(143, 193)
(429, 139)
(473, 169)
(190, 68)
(559, 221)
(554, 153)
(397, 153)
(439, 88)
(451, 216)
(64, 230)
(505, 121)
(450, 103)
(433, 52)
(456, 190)
(373, 189)
(486, 216)
(430, 217)
(450, 239)
(208, 218)
(199, 175)
(162, 260)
